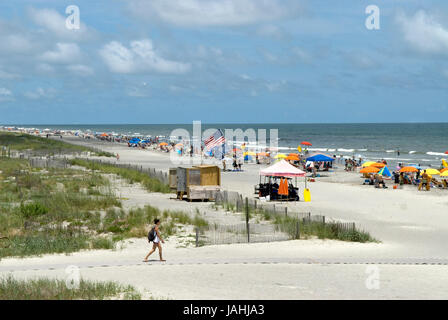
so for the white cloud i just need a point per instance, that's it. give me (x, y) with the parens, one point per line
(80, 70)
(272, 31)
(301, 54)
(64, 53)
(140, 57)
(8, 76)
(214, 12)
(423, 32)
(6, 95)
(16, 43)
(40, 93)
(54, 22)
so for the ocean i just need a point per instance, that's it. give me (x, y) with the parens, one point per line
(421, 143)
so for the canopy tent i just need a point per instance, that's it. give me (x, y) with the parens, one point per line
(319, 157)
(282, 169)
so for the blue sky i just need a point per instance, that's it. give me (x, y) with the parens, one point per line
(157, 61)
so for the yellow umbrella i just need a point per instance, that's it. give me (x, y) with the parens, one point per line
(432, 171)
(249, 153)
(444, 174)
(368, 163)
(280, 156)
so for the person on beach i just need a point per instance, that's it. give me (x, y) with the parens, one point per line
(156, 239)
(425, 181)
(118, 157)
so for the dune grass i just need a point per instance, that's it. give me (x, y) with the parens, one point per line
(48, 289)
(298, 228)
(66, 210)
(23, 141)
(41, 210)
(131, 175)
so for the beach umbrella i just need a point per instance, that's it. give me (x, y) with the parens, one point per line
(446, 152)
(306, 143)
(294, 157)
(385, 172)
(444, 164)
(263, 154)
(408, 169)
(369, 170)
(236, 150)
(163, 144)
(280, 156)
(444, 174)
(293, 154)
(249, 153)
(368, 163)
(378, 165)
(443, 170)
(432, 172)
(104, 135)
(299, 148)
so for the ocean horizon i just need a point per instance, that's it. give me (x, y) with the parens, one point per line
(423, 143)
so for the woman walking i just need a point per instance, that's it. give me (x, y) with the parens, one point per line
(155, 237)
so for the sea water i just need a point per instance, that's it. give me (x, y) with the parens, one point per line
(421, 143)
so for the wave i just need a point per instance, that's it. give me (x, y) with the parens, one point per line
(435, 153)
(346, 150)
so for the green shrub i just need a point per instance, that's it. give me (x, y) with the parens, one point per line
(34, 209)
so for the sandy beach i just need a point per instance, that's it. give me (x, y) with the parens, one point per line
(411, 258)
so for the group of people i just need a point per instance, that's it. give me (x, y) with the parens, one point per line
(420, 178)
(377, 180)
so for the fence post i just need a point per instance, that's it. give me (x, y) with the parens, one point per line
(353, 227)
(247, 220)
(297, 229)
(323, 220)
(286, 211)
(197, 237)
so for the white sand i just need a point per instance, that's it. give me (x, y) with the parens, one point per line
(413, 227)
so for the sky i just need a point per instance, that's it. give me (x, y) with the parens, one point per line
(223, 61)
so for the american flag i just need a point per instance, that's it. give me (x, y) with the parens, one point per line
(215, 140)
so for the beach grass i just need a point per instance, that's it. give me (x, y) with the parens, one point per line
(302, 229)
(53, 289)
(23, 141)
(45, 211)
(298, 228)
(129, 174)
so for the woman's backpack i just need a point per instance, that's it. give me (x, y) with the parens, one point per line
(152, 234)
